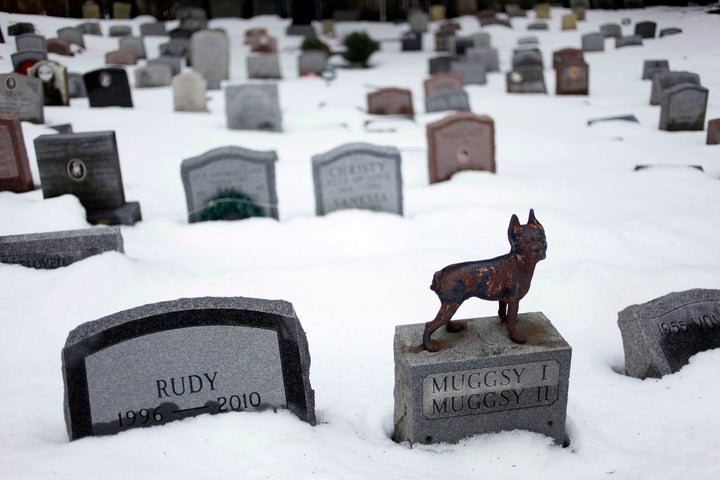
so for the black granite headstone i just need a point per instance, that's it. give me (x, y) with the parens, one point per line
(20, 28)
(646, 29)
(108, 87)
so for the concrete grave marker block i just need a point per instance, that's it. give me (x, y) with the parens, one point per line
(153, 29)
(119, 31)
(488, 56)
(22, 61)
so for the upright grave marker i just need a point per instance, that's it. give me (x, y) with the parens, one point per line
(611, 30)
(471, 72)
(651, 67)
(593, 42)
(86, 165)
(264, 66)
(645, 29)
(358, 175)
(55, 82)
(189, 92)
(210, 56)
(22, 61)
(230, 183)
(108, 87)
(133, 44)
(661, 335)
(448, 100)
(15, 175)
(165, 361)
(713, 132)
(253, 107)
(390, 101)
(59, 249)
(30, 41)
(525, 80)
(73, 34)
(628, 41)
(463, 141)
(22, 96)
(153, 76)
(662, 81)
(683, 107)
(572, 78)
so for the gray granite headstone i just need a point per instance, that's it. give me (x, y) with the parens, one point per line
(527, 57)
(481, 382)
(189, 92)
(661, 335)
(153, 76)
(593, 42)
(651, 67)
(55, 82)
(664, 80)
(611, 30)
(628, 41)
(253, 107)
(312, 62)
(358, 175)
(441, 40)
(119, 31)
(177, 47)
(210, 56)
(502, 22)
(191, 18)
(228, 171)
(645, 29)
(418, 21)
(59, 249)
(76, 85)
(73, 34)
(683, 107)
(448, 100)
(174, 63)
(525, 80)
(133, 44)
(22, 59)
(471, 72)
(86, 165)
(166, 361)
(488, 56)
(264, 66)
(439, 65)
(30, 41)
(22, 96)
(153, 29)
(90, 28)
(15, 175)
(19, 28)
(572, 78)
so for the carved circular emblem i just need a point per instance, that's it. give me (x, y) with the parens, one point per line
(516, 77)
(573, 72)
(45, 73)
(76, 170)
(105, 79)
(10, 83)
(463, 155)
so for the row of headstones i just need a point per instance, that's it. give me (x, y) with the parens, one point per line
(682, 99)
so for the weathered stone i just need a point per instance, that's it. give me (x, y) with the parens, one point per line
(210, 56)
(253, 107)
(108, 87)
(153, 76)
(189, 92)
(390, 101)
(651, 67)
(683, 107)
(448, 100)
(664, 80)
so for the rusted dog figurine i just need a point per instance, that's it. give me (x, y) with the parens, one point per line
(505, 279)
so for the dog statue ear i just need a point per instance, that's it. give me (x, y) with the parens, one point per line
(532, 220)
(513, 228)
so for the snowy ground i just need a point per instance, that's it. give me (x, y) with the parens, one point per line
(616, 237)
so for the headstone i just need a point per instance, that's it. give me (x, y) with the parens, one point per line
(418, 21)
(30, 41)
(611, 30)
(191, 18)
(22, 61)
(661, 335)
(359, 176)
(253, 107)
(121, 57)
(54, 80)
(580, 13)
(628, 41)
(683, 107)
(86, 165)
(437, 12)
(664, 80)
(542, 11)
(531, 57)
(471, 72)
(264, 66)
(72, 34)
(651, 67)
(59, 249)
(538, 26)
(572, 78)
(22, 96)
(312, 62)
(189, 92)
(230, 183)
(15, 175)
(569, 22)
(133, 44)
(59, 46)
(567, 55)
(76, 85)
(457, 46)
(108, 87)
(153, 29)
(119, 31)
(20, 28)
(440, 82)
(122, 10)
(646, 29)
(528, 40)
(713, 132)
(153, 76)
(481, 383)
(448, 100)
(90, 28)
(263, 44)
(441, 40)
(62, 127)
(487, 56)
(463, 141)
(503, 22)
(439, 65)
(174, 63)
(669, 31)
(91, 10)
(411, 41)
(593, 42)
(390, 101)
(177, 47)
(171, 360)
(614, 118)
(210, 56)
(481, 40)
(525, 80)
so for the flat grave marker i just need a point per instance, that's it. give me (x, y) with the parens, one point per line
(629, 41)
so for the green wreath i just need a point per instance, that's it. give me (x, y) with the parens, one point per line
(230, 206)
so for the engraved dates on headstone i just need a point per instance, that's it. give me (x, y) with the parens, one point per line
(166, 361)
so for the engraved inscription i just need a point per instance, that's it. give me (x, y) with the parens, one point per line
(230, 176)
(687, 106)
(8, 163)
(687, 330)
(492, 389)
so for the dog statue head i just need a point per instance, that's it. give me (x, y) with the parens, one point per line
(527, 241)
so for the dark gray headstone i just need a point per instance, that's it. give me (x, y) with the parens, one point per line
(665, 80)
(20, 28)
(683, 107)
(177, 47)
(86, 165)
(119, 31)
(439, 65)
(210, 56)
(76, 85)
(471, 72)
(228, 172)
(525, 80)
(614, 118)
(593, 42)
(90, 28)
(108, 87)
(312, 62)
(628, 41)
(538, 26)
(411, 42)
(153, 29)
(481, 382)
(670, 31)
(488, 22)
(358, 175)
(73, 34)
(264, 66)
(488, 56)
(189, 92)
(174, 63)
(524, 58)
(651, 67)
(55, 82)
(253, 107)
(153, 76)
(23, 60)
(448, 100)
(299, 30)
(166, 361)
(22, 96)
(15, 175)
(661, 335)
(133, 44)
(611, 30)
(30, 41)
(59, 249)
(646, 29)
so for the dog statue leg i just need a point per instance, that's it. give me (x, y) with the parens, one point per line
(512, 313)
(502, 311)
(447, 310)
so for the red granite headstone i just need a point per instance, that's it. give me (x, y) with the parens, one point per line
(15, 173)
(390, 101)
(442, 81)
(713, 129)
(572, 78)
